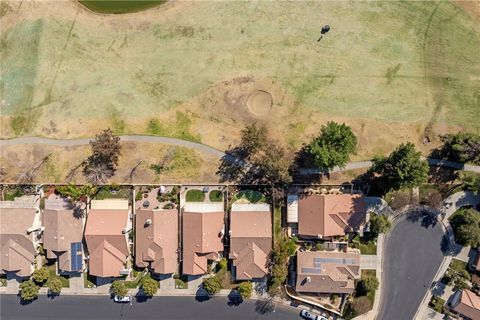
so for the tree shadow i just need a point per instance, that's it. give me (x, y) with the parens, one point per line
(264, 306)
(427, 217)
(234, 298)
(449, 247)
(140, 297)
(202, 295)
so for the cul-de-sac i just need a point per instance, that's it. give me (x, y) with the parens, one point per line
(170, 159)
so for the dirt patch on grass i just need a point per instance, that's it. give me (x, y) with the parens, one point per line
(472, 8)
(260, 103)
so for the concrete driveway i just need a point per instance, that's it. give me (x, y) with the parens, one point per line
(412, 257)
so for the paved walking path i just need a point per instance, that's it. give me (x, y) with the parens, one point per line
(210, 150)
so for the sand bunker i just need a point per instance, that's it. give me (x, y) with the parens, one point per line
(260, 103)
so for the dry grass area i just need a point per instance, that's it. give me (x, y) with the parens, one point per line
(394, 71)
(184, 165)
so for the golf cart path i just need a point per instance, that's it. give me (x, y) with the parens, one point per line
(212, 151)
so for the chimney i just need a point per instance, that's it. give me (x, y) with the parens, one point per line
(309, 279)
(148, 222)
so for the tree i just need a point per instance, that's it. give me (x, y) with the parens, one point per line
(333, 146)
(119, 289)
(245, 289)
(212, 285)
(40, 275)
(29, 290)
(55, 285)
(367, 285)
(403, 168)
(256, 160)
(290, 247)
(102, 163)
(466, 227)
(461, 147)
(379, 223)
(150, 286)
(471, 182)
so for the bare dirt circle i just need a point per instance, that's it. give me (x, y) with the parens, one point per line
(260, 103)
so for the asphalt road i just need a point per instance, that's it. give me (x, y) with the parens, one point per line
(412, 257)
(165, 308)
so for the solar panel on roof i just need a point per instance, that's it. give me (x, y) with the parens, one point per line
(312, 270)
(76, 256)
(333, 260)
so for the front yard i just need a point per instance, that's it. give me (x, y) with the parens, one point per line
(366, 244)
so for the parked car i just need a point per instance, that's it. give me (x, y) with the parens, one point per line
(121, 299)
(310, 316)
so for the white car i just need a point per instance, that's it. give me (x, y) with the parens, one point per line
(311, 316)
(121, 299)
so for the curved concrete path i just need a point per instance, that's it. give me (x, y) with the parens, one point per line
(134, 138)
(215, 152)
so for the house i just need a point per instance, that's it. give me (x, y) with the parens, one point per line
(250, 240)
(327, 272)
(156, 240)
(63, 235)
(20, 231)
(106, 235)
(467, 304)
(329, 215)
(202, 232)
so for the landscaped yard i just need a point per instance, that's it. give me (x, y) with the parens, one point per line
(215, 196)
(365, 244)
(181, 282)
(458, 265)
(437, 303)
(106, 193)
(249, 196)
(137, 282)
(89, 281)
(52, 274)
(195, 196)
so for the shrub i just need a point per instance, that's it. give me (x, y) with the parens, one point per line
(150, 286)
(379, 223)
(55, 285)
(28, 290)
(223, 263)
(215, 196)
(169, 206)
(212, 285)
(466, 227)
(319, 246)
(41, 275)
(245, 289)
(118, 288)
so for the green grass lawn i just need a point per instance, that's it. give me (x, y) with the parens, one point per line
(249, 196)
(215, 196)
(123, 6)
(458, 265)
(105, 193)
(195, 196)
(423, 68)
